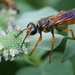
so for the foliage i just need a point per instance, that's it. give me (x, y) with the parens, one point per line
(37, 63)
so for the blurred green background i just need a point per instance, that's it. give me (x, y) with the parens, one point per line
(63, 56)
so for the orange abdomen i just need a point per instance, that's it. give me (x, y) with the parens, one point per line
(69, 22)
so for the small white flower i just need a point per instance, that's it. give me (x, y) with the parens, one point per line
(19, 27)
(11, 23)
(16, 51)
(9, 29)
(11, 11)
(25, 50)
(13, 52)
(6, 55)
(1, 46)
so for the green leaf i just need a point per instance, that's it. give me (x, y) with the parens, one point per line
(70, 50)
(54, 68)
(34, 16)
(46, 42)
(23, 6)
(73, 28)
(70, 46)
(33, 59)
(43, 3)
(73, 62)
(0, 58)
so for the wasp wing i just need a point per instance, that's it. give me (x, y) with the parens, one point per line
(52, 17)
(65, 16)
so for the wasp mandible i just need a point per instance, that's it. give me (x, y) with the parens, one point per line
(48, 24)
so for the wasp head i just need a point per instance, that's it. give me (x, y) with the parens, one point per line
(31, 28)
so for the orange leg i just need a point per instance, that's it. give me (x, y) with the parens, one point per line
(66, 30)
(53, 39)
(40, 38)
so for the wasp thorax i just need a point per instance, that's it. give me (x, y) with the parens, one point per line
(32, 28)
(42, 23)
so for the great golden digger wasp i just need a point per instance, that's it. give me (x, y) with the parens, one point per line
(49, 24)
(9, 4)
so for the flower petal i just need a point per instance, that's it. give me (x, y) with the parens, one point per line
(5, 55)
(25, 50)
(16, 51)
(12, 52)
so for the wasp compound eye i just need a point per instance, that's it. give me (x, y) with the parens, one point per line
(33, 28)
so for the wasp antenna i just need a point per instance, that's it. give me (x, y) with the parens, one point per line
(19, 33)
(23, 42)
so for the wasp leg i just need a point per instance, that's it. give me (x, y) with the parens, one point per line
(66, 30)
(40, 38)
(53, 39)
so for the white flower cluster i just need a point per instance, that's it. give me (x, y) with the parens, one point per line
(11, 52)
(6, 55)
(18, 27)
(11, 23)
(9, 11)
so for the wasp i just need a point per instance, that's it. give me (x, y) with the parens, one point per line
(9, 4)
(48, 24)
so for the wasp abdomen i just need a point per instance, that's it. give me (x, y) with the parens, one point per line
(69, 22)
